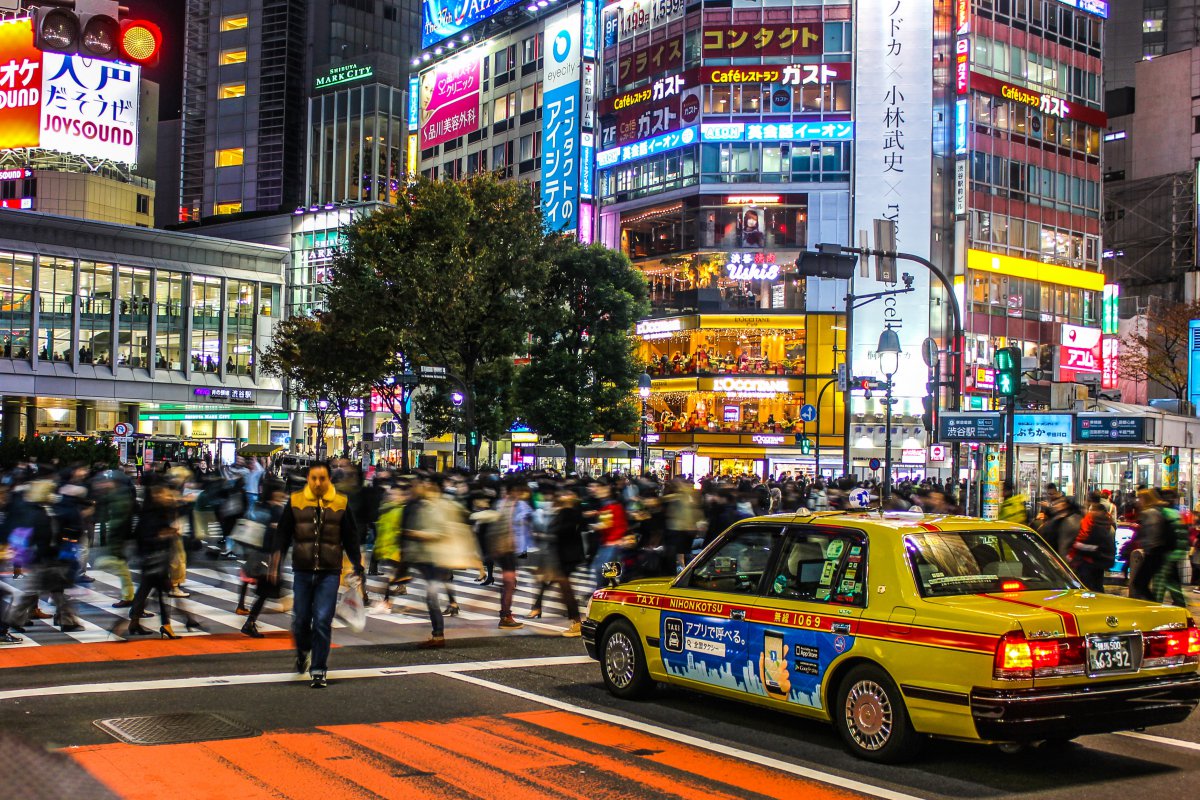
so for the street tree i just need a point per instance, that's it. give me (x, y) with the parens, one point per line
(321, 363)
(452, 272)
(495, 409)
(583, 369)
(1157, 348)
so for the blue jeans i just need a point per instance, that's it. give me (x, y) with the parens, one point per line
(312, 615)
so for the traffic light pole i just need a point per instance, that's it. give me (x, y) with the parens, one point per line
(817, 451)
(955, 350)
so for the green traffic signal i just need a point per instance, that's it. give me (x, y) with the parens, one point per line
(805, 446)
(1008, 371)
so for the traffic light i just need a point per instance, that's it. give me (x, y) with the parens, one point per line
(1008, 371)
(928, 405)
(473, 438)
(827, 261)
(805, 446)
(94, 30)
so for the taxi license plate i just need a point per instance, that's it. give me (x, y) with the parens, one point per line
(1108, 654)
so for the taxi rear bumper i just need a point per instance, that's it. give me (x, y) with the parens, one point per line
(1061, 712)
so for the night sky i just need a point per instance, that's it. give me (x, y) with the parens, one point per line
(168, 15)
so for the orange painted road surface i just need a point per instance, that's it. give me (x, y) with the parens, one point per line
(520, 756)
(136, 650)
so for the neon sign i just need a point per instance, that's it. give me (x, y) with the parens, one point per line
(752, 267)
(647, 147)
(750, 387)
(777, 131)
(346, 73)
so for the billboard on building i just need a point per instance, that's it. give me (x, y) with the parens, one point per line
(84, 107)
(449, 103)
(560, 122)
(441, 19)
(893, 176)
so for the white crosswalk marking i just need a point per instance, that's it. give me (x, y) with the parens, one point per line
(214, 596)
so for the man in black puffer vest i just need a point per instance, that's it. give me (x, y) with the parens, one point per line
(318, 527)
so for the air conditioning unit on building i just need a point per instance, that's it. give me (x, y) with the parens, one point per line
(1067, 396)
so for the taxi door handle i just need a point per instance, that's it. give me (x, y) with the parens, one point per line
(738, 614)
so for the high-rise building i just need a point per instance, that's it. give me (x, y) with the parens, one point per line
(1150, 151)
(267, 82)
(731, 137)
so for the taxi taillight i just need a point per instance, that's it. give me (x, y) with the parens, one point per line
(1169, 648)
(1019, 658)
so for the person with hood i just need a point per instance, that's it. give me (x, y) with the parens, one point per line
(1095, 548)
(438, 541)
(319, 528)
(35, 532)
(1013, 508)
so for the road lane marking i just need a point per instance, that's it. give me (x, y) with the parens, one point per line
(288, 677)
(1161, 740)
(694, 741)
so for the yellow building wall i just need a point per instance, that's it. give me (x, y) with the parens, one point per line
(826, 345)
(94, 197)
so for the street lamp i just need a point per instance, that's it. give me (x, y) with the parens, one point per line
(644, 393)
(888, 354)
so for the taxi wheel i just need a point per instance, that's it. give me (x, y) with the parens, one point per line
(623, 663)
(871, 717)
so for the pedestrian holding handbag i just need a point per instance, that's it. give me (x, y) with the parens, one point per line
(250, 530)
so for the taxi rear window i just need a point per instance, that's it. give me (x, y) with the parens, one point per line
(949, 563)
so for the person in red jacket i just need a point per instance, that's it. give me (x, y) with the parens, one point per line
(612, 525)
(1095, 548)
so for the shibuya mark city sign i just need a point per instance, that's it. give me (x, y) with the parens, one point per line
(85, 107)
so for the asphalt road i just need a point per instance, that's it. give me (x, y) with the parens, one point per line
(506, 717)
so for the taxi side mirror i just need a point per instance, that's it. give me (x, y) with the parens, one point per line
(611, 573)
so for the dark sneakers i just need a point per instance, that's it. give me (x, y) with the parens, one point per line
(303, 661)
(251, 630)
(318, 682)
(8, 638)
(509, 622)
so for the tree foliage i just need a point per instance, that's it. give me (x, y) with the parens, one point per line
(1157, 349)
(57, 450)
(450, 275)
(325, 363)
(583, 368)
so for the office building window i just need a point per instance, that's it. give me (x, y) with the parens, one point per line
(236, 22)
(233, 207)
(16, 303)
(95, 313)
(206, 324)
(229, 91)
(168, 310)
(239, 327)
(56, 295)
(234, 56)
(143, 204)
(133, 318)
(231, 157)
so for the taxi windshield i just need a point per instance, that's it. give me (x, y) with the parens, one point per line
(949, 563)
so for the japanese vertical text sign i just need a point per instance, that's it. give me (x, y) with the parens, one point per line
(560, 122)
(1194, 363)
(450, 99)
(85, 107)
(893, 166)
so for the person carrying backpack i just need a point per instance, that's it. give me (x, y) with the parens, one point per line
(38, 544)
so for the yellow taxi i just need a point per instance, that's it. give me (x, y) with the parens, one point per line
(897, 627)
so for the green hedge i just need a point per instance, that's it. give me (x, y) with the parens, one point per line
(52, 449)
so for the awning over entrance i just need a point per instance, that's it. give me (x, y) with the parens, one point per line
(259, 450)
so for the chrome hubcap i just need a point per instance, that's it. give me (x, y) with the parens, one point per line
(869, 715)
(619, 660)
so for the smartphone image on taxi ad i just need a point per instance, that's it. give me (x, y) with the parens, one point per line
(774, 662)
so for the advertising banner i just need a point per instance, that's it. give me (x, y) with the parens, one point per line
(778, 39)
(658, 57)
(627, 18)
(450, 99)
(85, 107)
(1042, 429)
(894, 172)
(441, 19)
(1079, 352)
(560, 122)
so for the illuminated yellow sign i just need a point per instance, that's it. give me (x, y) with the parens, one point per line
(752, 321)
(1035, 270)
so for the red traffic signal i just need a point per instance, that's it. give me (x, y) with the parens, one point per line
(141, 42)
